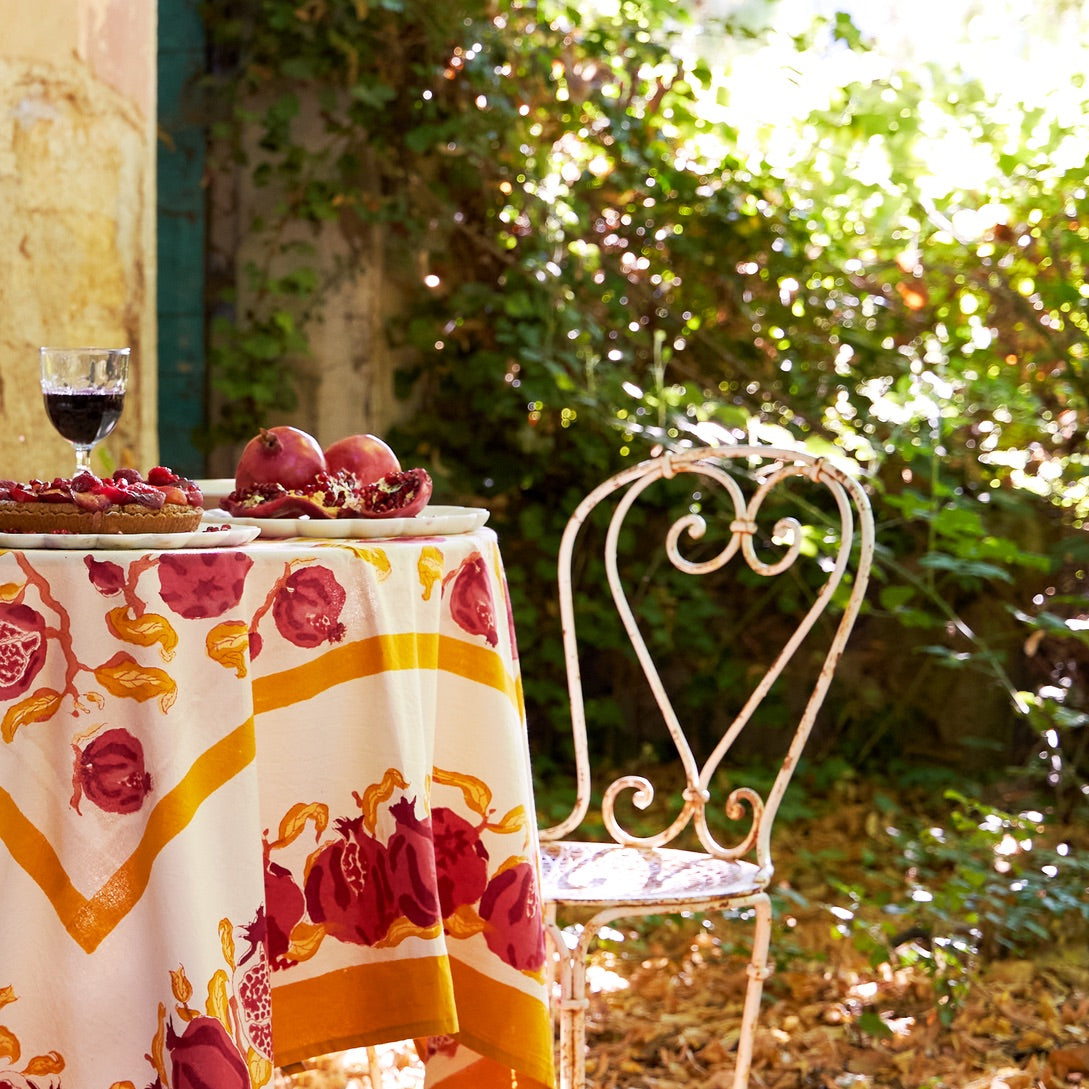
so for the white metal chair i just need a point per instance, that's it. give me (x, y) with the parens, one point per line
(830, 540)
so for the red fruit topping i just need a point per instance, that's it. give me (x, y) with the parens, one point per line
(161, 475)
(396, 495)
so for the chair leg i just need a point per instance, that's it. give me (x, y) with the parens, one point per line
(758, 971)
(568, 977)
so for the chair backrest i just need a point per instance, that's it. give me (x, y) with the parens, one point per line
(733, 498)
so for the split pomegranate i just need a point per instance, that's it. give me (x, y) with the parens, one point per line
(396, 495)
(279, 455)
(367, 456)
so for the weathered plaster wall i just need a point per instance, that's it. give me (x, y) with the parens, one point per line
(77, 213)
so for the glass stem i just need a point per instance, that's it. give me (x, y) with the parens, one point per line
(83, 458)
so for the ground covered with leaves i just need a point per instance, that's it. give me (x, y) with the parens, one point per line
(907, 1009)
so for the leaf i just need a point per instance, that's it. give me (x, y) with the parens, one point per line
(429, 569)
(870, 1022)
(305, 941)
(260, 1068)
(143, 631)
(39, 707)
(180, 985)
(9, 1045)
(158, 1047)
(226, 942)
(381, 792)
(477, 793)
(941, 561)
(464, 922)
(10, 591)
(7, 994)
(228, 644)
(513, 821)
(123, 676)
(293, 822)
(403, 928)
(218, 1003)
(51, 1063)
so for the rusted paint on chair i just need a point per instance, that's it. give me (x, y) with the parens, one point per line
(641, 875)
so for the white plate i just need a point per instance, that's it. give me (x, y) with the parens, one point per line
(214, 490)
(152, 542)
(431, 521)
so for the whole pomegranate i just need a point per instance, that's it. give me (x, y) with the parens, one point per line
(365, 455)
(279, 455)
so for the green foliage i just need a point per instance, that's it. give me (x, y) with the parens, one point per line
(973, 881)
(593, 267)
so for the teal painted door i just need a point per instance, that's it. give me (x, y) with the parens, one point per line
(181, 238)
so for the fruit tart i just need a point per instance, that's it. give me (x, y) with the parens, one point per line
(126, 502)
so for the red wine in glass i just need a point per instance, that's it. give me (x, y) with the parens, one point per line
(84, 416)
(84, 392)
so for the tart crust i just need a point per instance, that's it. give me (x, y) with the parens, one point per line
(68, 518)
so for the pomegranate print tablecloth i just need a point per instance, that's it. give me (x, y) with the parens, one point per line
(262, 804)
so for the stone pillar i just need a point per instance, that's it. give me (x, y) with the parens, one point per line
(77, 215)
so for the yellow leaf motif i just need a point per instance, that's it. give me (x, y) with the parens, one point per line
(381, 792)
(39, 707)
(9, 1045)
(219, 1002)
(305, 940)
(429, 569)
(158, 1047)
(376, 557)
(477, 794)
(10, 591)
(226, 941)
(122, 1085)
(464, 922)
(123, 676)
(228, 644)
(514, 821)
(53, 1063)
(143, 631)
(180, 985)
(7, 994)
(404, 928)
(260, 1068)
(293, 823)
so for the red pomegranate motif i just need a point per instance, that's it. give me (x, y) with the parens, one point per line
(107, 577)
(253, 988)
(511, 906)
(412, 864)
(285, 906)
(200, 585)
(348, 886)
(22, 648)
(461, 861)
(110, 772)
(471, 602)
(308, 606)
(204, 1055)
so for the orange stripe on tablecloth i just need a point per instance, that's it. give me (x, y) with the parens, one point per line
(504, 1024)
(486, 1074)
(376, 654)
(90, 920)
(364, 1004)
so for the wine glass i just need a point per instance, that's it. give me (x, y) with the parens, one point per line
(84, 392)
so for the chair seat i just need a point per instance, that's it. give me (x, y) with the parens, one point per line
(606, 874)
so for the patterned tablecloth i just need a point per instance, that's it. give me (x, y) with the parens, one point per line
(261, 804)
